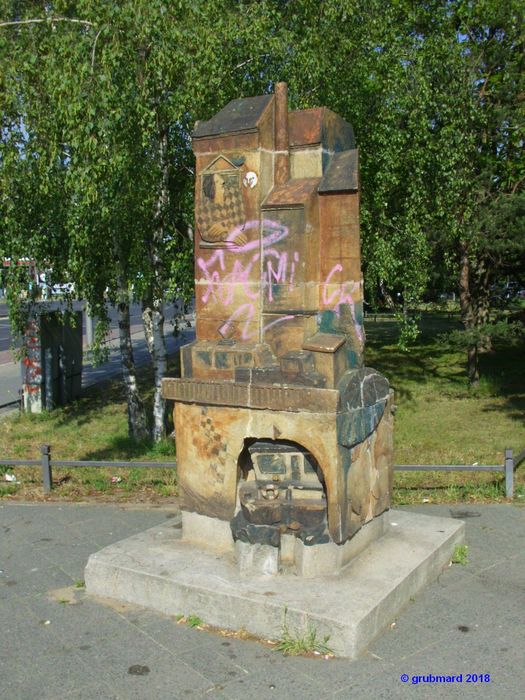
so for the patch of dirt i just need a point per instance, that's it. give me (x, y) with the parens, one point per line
(145, 496)
(70, 595)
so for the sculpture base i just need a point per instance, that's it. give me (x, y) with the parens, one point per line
(157, 570)
(292, 557)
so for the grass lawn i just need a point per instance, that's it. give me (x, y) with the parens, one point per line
(94, 427)
(438, 421)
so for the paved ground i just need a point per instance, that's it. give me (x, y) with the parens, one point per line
(470, 621)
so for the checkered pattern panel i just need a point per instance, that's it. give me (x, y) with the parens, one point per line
(215, 219)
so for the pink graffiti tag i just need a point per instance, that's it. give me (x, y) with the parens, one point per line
(342, 294)
(277, 233)
(276, 267)
(221, 287)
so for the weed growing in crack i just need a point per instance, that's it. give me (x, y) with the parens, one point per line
(298, 642)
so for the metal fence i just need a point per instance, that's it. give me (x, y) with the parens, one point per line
(509, 466)
(47, 465)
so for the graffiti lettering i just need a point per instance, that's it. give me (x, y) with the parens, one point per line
(31, 367)
(276, 267)
(342, 294)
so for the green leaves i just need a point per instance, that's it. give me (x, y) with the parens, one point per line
(434, 91)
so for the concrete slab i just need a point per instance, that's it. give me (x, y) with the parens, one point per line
(157, 570)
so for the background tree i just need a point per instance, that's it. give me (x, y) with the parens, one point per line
(435, 93)
(384, 68)
(99, 100)
(490, 238)
(121, 86)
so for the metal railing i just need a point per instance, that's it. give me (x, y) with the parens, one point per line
(47, 465)
(509, 466)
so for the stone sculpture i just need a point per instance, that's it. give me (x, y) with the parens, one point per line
(284, 438)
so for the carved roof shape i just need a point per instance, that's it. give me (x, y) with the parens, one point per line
(324, 342)
(242, 114)
(293, 193)
(342, 174)
(219, 164)
(320, 125)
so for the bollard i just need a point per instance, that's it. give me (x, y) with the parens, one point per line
(509, 474)
(47, 477)
(89, 326)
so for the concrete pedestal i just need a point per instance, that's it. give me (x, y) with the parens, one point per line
(157, 570)
(292, 557)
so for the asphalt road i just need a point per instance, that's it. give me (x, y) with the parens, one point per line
(5, 334)
(10, 382)
(135, 320)
(10, 375)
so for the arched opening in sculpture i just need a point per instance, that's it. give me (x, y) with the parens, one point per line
(281, 492)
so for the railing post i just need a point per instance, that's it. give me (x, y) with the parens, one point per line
(47, 476)
(509, 474)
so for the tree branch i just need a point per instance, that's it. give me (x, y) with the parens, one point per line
(46, 20)
(485, 83)
(93, 50)
(249, 60)
(517, 185)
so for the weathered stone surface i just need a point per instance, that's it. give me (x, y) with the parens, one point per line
(319, 127)
(342, 174)
(255, 559)
(294, 505)
(329, 559)
(205, 532)
(355, 425)
(281, 397)
(278, 360)
(209, 463)
(239, 115)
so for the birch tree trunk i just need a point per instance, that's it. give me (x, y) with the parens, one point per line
(468, 315)
(153, 319)
(153, 304)
(483, 304)
(137, 424)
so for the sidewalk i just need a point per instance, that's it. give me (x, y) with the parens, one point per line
(470, 621)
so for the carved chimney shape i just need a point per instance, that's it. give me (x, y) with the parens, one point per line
(282, 155)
